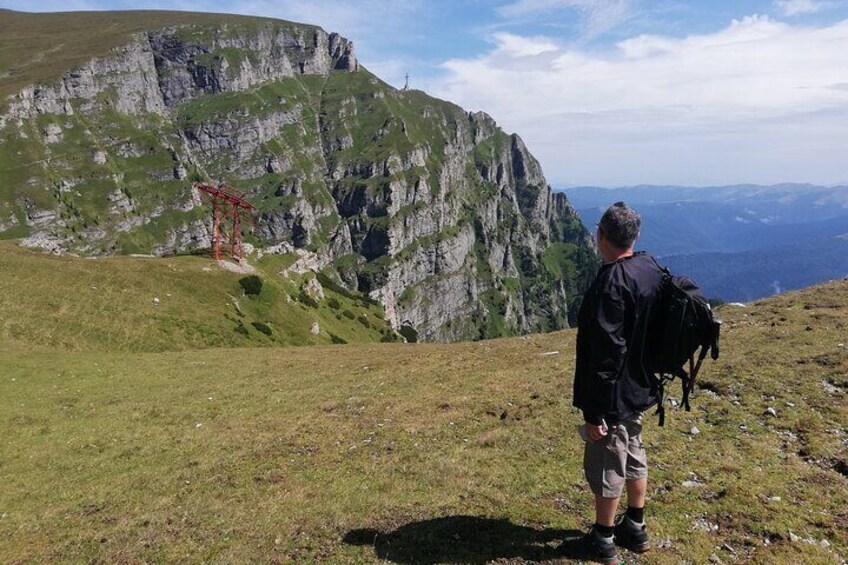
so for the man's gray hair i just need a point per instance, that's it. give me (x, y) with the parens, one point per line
(620, 225)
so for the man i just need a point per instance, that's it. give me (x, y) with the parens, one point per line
(611, 384)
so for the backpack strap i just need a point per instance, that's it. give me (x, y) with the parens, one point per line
(663, 379)
(687, 381)
(660, 406)
(695, 367)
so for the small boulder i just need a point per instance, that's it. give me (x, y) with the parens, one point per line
(315, 329)
(770, 411)
(52, 133)
(314, 290)
(180, 172)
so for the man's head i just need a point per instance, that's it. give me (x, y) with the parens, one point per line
(618, 231)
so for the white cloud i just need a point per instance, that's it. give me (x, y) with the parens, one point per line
(518, 46)
(800, 7)
(757, 101)
(598, 15)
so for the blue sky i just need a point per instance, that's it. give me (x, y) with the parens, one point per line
(610, 92)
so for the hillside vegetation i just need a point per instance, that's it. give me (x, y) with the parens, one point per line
(400, 195)
(36, 48)
(148, 304)
(414, 453)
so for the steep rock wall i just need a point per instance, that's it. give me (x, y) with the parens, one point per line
(433, 211)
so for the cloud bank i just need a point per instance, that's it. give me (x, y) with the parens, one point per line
(757, 101)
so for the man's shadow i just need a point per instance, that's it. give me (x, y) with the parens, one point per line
(467, 539)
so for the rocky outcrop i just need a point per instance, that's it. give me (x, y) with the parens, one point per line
(433, 211)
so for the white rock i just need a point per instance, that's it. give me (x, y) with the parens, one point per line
(198, 425)
(315, 329)
(692, 484)
(314, 289)
(770, 411)
(99, 157)
(694, 431)
(242, 268)
(774, 499)
(52, 133)
(155, 300)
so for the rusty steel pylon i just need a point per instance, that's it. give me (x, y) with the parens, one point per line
(222, 195)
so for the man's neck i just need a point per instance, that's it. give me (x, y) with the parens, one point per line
(616, 255)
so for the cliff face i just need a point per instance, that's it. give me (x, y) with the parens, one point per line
(433, 211)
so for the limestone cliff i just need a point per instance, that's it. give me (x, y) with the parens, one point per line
(433, 211)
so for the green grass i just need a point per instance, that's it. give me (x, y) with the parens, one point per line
(415, 453)
(107, 304)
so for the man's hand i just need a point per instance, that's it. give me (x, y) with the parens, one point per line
(595, 433)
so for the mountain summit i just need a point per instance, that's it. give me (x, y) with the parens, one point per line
(431, 210)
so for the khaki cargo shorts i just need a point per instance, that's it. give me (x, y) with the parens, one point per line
(618, 456)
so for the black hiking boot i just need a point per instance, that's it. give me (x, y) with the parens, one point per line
(632, 535)
(599, 548)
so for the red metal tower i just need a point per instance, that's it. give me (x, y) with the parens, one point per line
(222, 195)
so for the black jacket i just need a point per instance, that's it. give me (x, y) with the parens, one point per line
(613, 326)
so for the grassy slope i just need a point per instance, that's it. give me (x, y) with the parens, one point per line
(415, 453)
(107, 304)
(37, 48)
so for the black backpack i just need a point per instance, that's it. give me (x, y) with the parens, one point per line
(685, 323)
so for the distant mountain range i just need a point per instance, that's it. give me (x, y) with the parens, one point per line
(739, 242)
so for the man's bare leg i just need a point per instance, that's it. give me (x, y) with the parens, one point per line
(605, 509)
(636, 490)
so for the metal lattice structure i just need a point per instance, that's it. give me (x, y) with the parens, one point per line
(224, 197)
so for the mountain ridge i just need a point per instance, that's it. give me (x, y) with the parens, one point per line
(395, 194)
